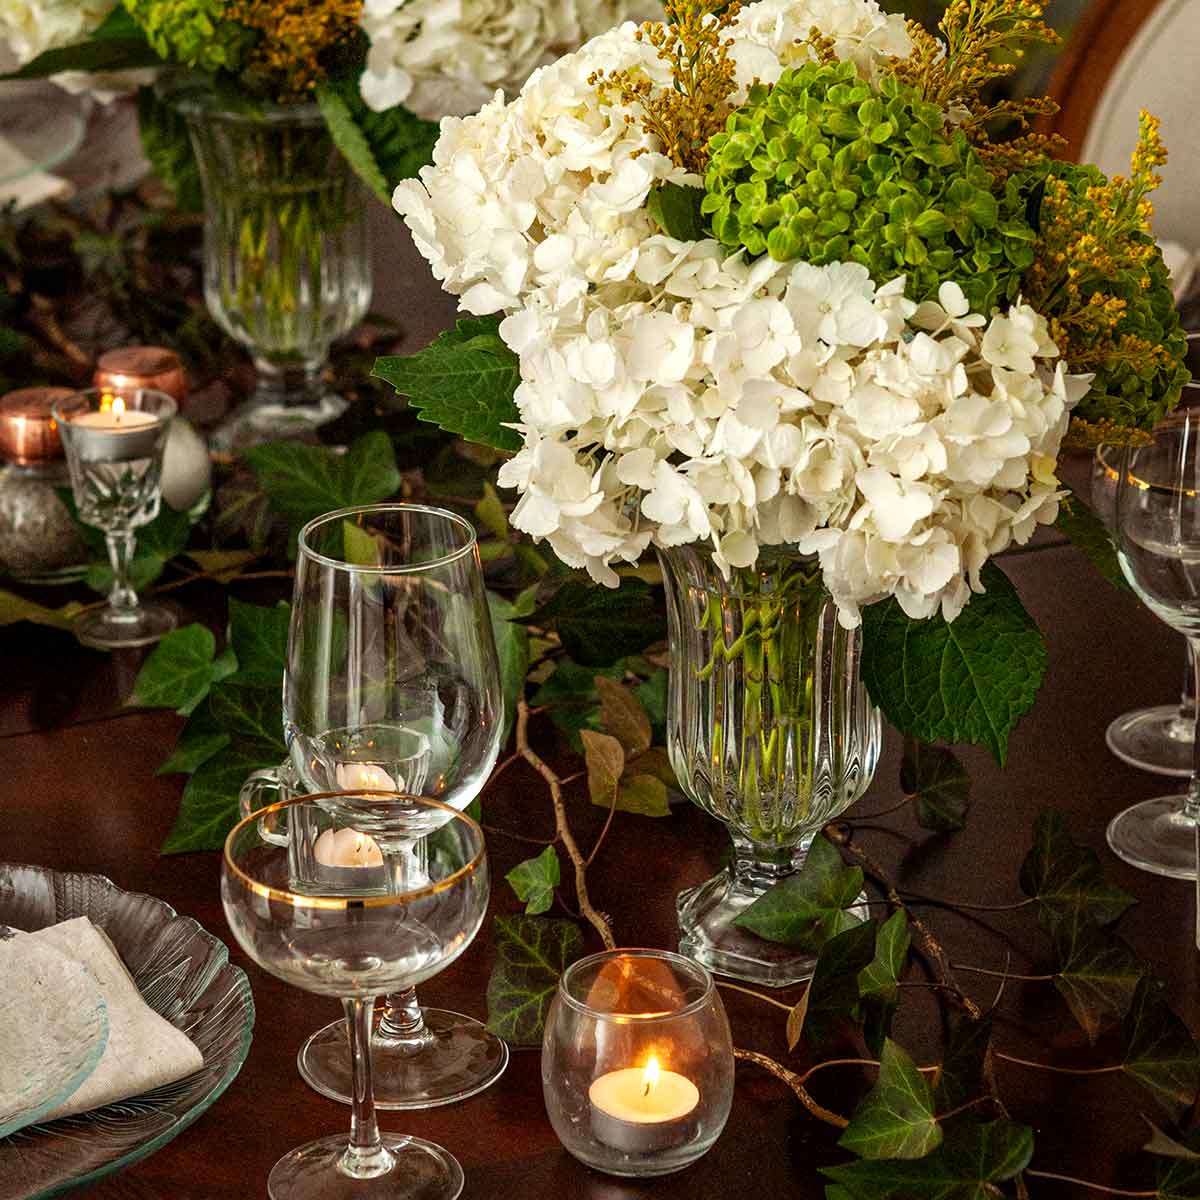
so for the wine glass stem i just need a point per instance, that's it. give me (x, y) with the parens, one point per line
(120, 555)
(402, 1021)
(1187, 698)
(366, 1156)
(1191, 806)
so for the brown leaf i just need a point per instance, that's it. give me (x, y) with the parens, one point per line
(644, 795)
(656, 762)
(623, 716)
(605, 765)
(795, 1021)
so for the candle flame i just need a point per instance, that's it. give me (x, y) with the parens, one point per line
(650, 1075)
(106, 402)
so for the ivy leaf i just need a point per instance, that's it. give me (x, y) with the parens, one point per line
(570, 697)
(1165, 1146)
(598, 625)
(966, 1166)
(258, 637)
(833, 990)
(1087, 534)
(535, 879)
(1098, 976)
(1177, 1175)
(676, 210)
(491, 515)
(623, 716)
(605, 761)
(178, 672)
(1160, 1052)
(303, 481)
(531, 954)
(806, 909)
(960, 1076)
(168, 146)
(14, 608)
(111, 52)
(1065, 878)
(965, 681)
(463, 381)
(937, 783)
(209, 809)
(878, 982)
(252, 716)
(198, 741)
(652, 695)
(644, 795)
(896, 1117)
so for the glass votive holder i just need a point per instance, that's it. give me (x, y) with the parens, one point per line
(637, 1062)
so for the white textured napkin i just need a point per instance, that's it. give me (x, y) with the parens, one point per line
(29, 189)
(144, 1050)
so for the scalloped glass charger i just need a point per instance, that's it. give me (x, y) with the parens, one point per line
(183, 973)
(41, 126)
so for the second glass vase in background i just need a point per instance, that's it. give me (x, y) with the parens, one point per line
(769, 730)
(286, 263)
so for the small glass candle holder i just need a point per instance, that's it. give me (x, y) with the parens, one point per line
(637, 1062)
(114, 440)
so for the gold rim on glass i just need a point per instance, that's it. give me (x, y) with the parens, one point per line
(343, 514)
(296, 900)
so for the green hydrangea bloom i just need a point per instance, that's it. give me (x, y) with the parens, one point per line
(193, 32)
(823, 167)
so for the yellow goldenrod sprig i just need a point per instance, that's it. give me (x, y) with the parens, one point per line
(692, 42)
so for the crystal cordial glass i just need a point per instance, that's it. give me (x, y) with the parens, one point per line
(352, 927)
(114, 440)
(637, 1062)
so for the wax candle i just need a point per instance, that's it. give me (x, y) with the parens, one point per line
(370, 777)
(347, 848)
(115, 432)
(642, 1109)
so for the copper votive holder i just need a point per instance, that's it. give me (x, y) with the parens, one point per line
(28, 431)
(153, 367)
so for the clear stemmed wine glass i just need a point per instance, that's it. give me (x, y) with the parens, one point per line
(392, 683)
(1157, 525)
(1157, 738)
(328, 935)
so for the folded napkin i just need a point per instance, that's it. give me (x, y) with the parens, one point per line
(144, 1050)
(27, 187)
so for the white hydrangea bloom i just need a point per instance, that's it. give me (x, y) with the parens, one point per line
(447, 57)
(31, 27)
(672, 393)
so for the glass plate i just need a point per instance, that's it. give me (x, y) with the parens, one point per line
(183, 973)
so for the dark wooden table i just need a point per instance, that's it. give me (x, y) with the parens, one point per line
(78, 792)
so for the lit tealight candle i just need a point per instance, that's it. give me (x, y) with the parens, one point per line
(353, 776)
(347, 848)
(643, 1109)
(115, 417)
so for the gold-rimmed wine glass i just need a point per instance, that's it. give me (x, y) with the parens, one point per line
(355, 933)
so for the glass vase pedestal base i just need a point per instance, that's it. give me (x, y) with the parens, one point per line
(284, 405)
(420, 1171)
(1156, 836)
(709, 935)
(112, 628)
(454, 1058)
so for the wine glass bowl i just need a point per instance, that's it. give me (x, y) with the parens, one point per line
(392, 683)
(328, 935)
(1157, 534)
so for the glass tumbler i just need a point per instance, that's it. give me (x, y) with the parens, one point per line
(637, 1062)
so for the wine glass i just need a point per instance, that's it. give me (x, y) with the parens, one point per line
(114, 440)
(392, 683)
(335, 938)
(1157, 738)
(1157, 523)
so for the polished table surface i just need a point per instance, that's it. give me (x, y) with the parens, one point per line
(78, 792)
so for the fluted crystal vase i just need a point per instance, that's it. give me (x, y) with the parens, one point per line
(286, 262)
(769, 730)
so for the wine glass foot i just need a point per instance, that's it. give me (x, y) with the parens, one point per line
(1155, 836)
(420, 1171)
(119, 629)
(458, 1059)
(1153, 739)
(710, 935)
(258, 421)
